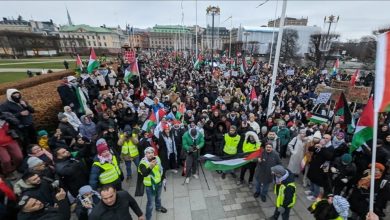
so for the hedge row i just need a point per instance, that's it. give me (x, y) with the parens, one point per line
(31, 82)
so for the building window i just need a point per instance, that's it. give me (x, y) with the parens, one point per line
(93, 37)
(98, 37)
(105, 44)
(104, 37)
(94, 43)
(100, 44)
(87, 37)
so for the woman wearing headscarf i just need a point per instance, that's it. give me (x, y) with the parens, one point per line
(87, 199)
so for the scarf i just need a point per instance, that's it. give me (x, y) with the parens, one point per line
(279, 180)
(105, 159)
(171, 145)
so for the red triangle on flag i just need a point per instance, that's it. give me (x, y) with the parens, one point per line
(367, 117)
(92, 56)
(253, 95)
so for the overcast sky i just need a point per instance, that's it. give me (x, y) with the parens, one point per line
(357, 18)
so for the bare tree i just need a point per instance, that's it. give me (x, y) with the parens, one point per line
(315, 54)
(289, 48)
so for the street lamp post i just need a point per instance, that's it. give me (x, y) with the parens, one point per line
(212, 10)
(326, 42)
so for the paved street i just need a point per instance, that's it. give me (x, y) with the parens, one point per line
(224, 200)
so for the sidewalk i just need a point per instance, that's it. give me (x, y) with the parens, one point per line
(225, 200)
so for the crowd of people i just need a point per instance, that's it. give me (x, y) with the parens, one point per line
(164, 119)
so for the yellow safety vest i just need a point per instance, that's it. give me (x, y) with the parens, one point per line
(280, 195)
(129, 148)
(111, 171)
(249, 147)
(231, 144)
(156, 176)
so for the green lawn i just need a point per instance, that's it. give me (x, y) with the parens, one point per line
(51, 65)
(11, 77)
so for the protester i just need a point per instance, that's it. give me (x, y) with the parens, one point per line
(193, 141)
(231, 142)
(115, 205)
(251, 143)
(151, 170)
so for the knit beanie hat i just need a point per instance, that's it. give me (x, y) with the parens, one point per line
(42, 133)
(101, 148)
(33, 161)
(346, 158)
(278, 170)
(149, 150)
(341, 205)
(317, 134)
(100, 141)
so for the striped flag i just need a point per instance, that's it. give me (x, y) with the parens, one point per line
(198, 62)
(354, 77)
(382, 74)
(336, 67)
(365, 127)
(92, 63)
(217, 163)
(318, 119)
(79, 64)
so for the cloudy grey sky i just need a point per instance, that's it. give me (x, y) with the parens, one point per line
(357, 18)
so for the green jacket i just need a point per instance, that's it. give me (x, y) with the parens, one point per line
(283, 134)
(188, 141)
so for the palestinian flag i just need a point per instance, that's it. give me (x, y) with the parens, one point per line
(253, 95)
(354, 77)
(92, 63)
(217, 163)
(150, 122)
(79, 64)
(318, 119)
(131, 71)
(342, 110)
(198, 62)
(180, 111)
(243, 66)
(382, 74)
(336, 67)
(365, 127)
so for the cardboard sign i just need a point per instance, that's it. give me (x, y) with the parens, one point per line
(359, 94)
(343, 85)
(324, 72)
(326, 89)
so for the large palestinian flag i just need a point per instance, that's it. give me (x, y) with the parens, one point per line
(92, 63)
(217, 163)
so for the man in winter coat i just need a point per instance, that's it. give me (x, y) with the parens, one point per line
(115, 205)
(129, 152)
(284, 136)
(250, 144)
(73, 174)
(32, 208)
(318, 169)
(332, 207)
(343, 171)
(193, 141)
(268, 158)
(23, 112)
(285, 191)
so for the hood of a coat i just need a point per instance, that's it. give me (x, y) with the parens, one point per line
(9, 94)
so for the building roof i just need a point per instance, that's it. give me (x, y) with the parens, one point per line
(260, 29)
(86, 28)
(170, 29)
(14, 22)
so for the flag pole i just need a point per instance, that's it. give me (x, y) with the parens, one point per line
(196, 29)
(277, 55)
(373, 161)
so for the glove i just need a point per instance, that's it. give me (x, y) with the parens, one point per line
(333, 170)
(281, 210)
(344, 180)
